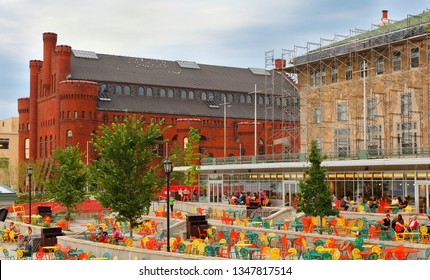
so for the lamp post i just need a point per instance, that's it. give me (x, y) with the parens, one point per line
(29, 173)
(255, 119)
(168, 167)
(226, 104)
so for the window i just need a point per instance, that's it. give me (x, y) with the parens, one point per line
(363, 69)
(141, 91)
(312, 79)
(41, 147)
(317, 115)
(342, 142)
(260, 100)
(223, 98)
(406, 103)
(170, 93)
(162, 92)
(76, 114)
(230, 97)
(103, 88)
(380, 66)
(83, 114)
(118, 90)
(4, 144)
(191, 94)
(242, 99)
(210, 96)
(185, 143)
(249, 99)
(51, 144)
(397, 61)
(91, 115)
(69, 134)
(27, 148)
(334, 73)
(149, 91)
(317, 78)
(127, 90)
(348, 73)
(323, 79)
(415, 58)
(68, 114)
(371, 108)
(203, 95)
(341, 111)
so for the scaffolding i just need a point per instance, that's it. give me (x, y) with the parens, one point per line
(365, 92)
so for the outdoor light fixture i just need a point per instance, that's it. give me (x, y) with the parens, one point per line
(29, 173)
(168, 167)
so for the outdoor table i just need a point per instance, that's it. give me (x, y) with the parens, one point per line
(365, 254)
(50, 250)
(292, 240)
(257, 224)
(412, 235)
(252, 251)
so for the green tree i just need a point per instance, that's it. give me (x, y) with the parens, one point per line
(125, 169)
(314, 194)
(68, 179)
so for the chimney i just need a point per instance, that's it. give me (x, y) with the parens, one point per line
(384, 20)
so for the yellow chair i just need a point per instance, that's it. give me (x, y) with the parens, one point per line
(425, 236)
(355, 254)
(292, 253)
(275, 254)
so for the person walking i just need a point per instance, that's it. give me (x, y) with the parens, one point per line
(171, 203)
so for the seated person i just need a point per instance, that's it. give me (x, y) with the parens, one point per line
(413, 224)
(27, 250)
(103, 236)
(117, 236)
(234, 200)
(344, 203)
(395, 201)
(403, 203)
(386, 222)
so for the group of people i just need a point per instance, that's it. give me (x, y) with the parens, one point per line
(242, 198)
(399, 225)
(103, 236)
(372, 202)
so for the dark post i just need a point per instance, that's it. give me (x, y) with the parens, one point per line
(167, 164)
(29, 173)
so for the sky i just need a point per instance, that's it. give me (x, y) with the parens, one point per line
(218, 32)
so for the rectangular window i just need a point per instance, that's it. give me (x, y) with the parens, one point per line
(397, 61)
(415, 57)
(363, 69)
(4, 144)
(317, 115)
(312, 79)
(323, 80)
(341, 111)
(371, 108)
(380, 66)
(334, 73)
(317, 78)
(342, 142)
(406, 103)
(76, 114)
(83, 114)
(348, 73)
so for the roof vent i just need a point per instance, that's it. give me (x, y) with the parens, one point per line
(85, 54)
(259, 71)
(188, 64)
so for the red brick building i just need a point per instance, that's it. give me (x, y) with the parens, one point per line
(73, 92)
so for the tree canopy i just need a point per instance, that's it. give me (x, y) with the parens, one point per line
(68, 178)
(314, 194)
(125, 169)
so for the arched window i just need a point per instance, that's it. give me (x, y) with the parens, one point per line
(141, 91)
(230, 97)
(203, 95)
(260, 147)
(249, 99)
(41, 147)
(162, 93)
(278, 101)
(27, 148)
(185, 142)
(175, 138)
(127, 90)
(210, 96)
(191, 95)
(260, 100)
(46, 146)
(149, 91)
(69, 134)
(170, 93)
(118, 89)
(51, 144)
(223, 98)
(242, 99)
(183, 94)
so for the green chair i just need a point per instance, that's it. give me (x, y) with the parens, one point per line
(106, 255)
(59, 255)
(326, 256)
(243, 253)
(427, 256)
(373, 256)
(181, 247)
(209, 251)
